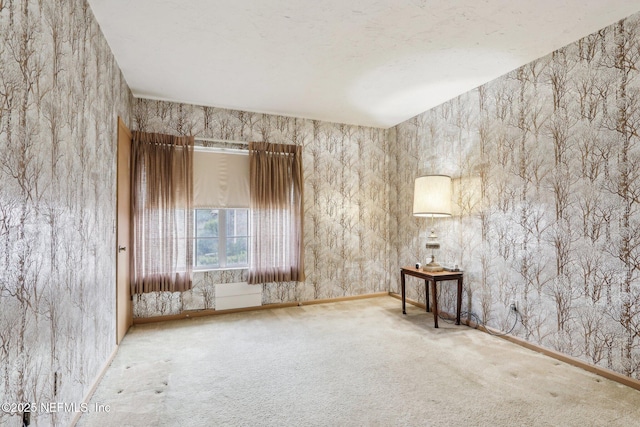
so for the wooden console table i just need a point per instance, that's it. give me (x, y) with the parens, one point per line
(432, 277)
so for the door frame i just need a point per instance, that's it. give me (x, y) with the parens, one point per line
(124, 300)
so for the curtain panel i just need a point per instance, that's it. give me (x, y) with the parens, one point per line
(161, 216)
(276, 203)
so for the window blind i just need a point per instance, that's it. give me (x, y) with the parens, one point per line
(220, 180)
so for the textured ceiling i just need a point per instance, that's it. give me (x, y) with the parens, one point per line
(365, 62)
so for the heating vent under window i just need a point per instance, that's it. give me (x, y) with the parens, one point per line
(237, 295)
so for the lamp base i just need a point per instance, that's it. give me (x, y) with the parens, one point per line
(432, 267)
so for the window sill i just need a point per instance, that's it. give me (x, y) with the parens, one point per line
(204, 270)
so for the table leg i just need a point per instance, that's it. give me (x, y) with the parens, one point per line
(434, 291)
(426, 293)
(459, 306)
(402, 291)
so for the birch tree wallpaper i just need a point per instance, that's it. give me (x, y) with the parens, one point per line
(347, 228)
(545, 162)
(547, 165)
(61, 92)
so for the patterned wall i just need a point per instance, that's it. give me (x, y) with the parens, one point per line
(60, 94)
(347, 226)
(547, 159)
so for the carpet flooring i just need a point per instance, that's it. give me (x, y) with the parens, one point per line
(356, 363)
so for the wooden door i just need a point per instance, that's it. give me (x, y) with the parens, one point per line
(124, 307)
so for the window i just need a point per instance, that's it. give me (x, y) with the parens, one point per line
(221, 238)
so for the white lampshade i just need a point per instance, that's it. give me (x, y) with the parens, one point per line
(432, 196)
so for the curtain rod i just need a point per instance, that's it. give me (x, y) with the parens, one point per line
(224, 141)
(222, 149)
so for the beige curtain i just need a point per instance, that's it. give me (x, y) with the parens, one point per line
(277, 250)
(161, 205)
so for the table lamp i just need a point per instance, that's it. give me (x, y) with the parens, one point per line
(432, 198)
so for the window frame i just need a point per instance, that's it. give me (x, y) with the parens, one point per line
(222, 238)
